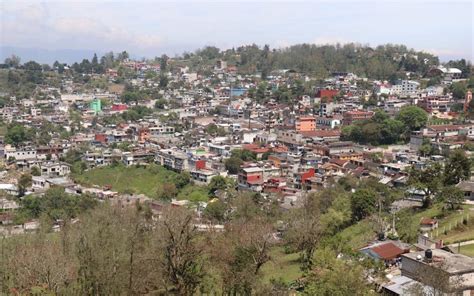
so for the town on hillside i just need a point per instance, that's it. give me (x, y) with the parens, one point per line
(314, 170)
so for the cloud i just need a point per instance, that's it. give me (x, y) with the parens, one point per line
(32, 24)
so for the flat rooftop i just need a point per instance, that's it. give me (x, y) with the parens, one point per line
(452, 263)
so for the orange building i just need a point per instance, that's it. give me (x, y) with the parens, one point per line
(305, 124)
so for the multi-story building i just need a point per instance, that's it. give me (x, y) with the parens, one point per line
(251, 178)
(405, 88)
(305, 124)
(350, 117)
(173, 159)
(438, 103)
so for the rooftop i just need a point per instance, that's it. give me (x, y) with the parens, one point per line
(452, 263)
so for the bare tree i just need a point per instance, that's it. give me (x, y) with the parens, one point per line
(180, 251)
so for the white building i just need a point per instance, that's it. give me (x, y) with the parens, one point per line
(405, 88)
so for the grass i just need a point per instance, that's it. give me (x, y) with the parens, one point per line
(139, 179)
(282, 266)
(358, 235)
(468, 250)
(451, 228)
(123, 179)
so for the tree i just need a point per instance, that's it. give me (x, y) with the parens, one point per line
(17, 134)
(233, 164)
(182, 262)
(163, 81)
(334, 277)
(35, 171)
(160, 104)
(459, 90)
(363, 203)
(426, 148)
(163, 63)
(217, 183)
(24, 182)
(13, 61)
(428, 180)
(166, 191)
(215, 211)
(457, 168)
(244, 249)
(413, 117)
(452, 197)
(305, 229)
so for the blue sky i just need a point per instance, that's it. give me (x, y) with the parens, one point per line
(150, 28)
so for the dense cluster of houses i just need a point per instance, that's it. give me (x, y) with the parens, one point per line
(296, 146)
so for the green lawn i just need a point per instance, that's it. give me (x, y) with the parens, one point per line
(358, 235)
(468, 250)
(142, 180)
(282, 266)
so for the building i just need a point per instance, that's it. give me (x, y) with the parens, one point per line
(350, 117)
(436, 103)
(305, 124)
(448, 74)
(328, 122)
(55, 169)
(468, 188)
(405, 88)
(467, 100)
(446, 272)
(327, 95)
(251, 178)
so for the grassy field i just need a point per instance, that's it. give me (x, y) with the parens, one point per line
(141, 180)
(451, 228)
(358, 235)
(468, 250)
(282, 266)
(122, 179)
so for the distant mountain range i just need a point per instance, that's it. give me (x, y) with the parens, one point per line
(47, 56)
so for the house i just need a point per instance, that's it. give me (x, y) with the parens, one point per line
(453, 272)
(305, 124)
(43, 183)
(330, 122)
(428, 224)
(350, 117)
(468, 188)
(203, 176)
(10, 189)
(55, 169)
(251, 178)
(327, 95)
(387, 251)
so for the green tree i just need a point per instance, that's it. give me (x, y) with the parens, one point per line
(428, 180)
(233, 164)
(457, 168)
(413, 117)
(334, 277)
(215, 211)
(452, 197)
(459, 90)
(13, 61)
(24, 182)
(17, 134)
(35, 171)
(363, 203)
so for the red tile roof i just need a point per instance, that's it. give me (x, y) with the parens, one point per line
(388, 251)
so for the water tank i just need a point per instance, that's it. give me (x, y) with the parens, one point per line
(429, 254)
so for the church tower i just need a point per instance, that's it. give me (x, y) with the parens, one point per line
(467, 100)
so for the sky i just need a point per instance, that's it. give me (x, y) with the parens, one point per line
(151, 28)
